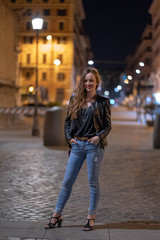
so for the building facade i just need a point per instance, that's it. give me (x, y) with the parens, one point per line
(8, 57)
(61, 38)
(155, 73)
(139, 66)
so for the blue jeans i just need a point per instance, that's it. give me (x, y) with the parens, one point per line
(94, 155)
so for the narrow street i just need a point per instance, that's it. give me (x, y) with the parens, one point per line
(31, 176)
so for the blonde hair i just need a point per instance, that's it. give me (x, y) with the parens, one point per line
(80, 93)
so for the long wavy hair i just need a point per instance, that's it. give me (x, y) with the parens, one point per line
(80, 93)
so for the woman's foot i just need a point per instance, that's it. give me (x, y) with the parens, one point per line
(55, 219)
(89, 224)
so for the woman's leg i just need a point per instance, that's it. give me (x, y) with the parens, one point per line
(74, 165)
(94, 159)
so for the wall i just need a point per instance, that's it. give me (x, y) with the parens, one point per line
(8, 57)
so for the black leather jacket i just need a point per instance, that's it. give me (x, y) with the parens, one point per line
(101, 119)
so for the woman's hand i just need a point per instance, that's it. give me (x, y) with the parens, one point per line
(72, 140)
(94, 140)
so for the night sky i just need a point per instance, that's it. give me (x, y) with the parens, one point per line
(115, 26)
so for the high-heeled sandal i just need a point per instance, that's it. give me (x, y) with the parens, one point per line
(52, 225)
(88, 227)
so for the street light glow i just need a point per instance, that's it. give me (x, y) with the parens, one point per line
(90, 62)
(31, 89)
(116, 89)
(57, 62)
(106, 93)
(129, 77)
(37, 23)
(126, 81)
(112, 101)
(157, 97)
(138, 71)
(49, 37)
(119, 87)
(141, 64)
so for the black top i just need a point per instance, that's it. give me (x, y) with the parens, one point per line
(99, 117)
(83, 124)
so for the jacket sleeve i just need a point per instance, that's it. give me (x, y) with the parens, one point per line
(106, 119)
(67, 125)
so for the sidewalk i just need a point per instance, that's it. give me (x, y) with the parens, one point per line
(35, 231)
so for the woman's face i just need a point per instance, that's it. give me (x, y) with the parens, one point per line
(90, 83)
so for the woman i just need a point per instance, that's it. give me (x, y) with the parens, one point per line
(87, 124)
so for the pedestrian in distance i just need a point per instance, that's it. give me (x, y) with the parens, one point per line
(87, 124)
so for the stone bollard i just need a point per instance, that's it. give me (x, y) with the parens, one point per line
(156, 132)
(54, 127)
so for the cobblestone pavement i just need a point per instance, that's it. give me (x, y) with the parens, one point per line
(31, 176)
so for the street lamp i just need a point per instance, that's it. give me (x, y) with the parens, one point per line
(129, 77)
(31, 89)
(57, 62)
(90, 62)
(37, 24)
(49, 37)
(141, 64)
(138, 71)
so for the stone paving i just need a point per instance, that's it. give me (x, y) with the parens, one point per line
(31, 175)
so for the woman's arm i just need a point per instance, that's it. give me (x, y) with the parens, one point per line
(67, 125)
(68, 136)
(106, 120)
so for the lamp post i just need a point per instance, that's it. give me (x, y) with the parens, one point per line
(37, 24)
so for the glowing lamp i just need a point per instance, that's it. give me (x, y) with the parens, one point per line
(57, 62)
(37, 23)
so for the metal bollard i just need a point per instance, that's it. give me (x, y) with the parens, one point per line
(54, 127)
